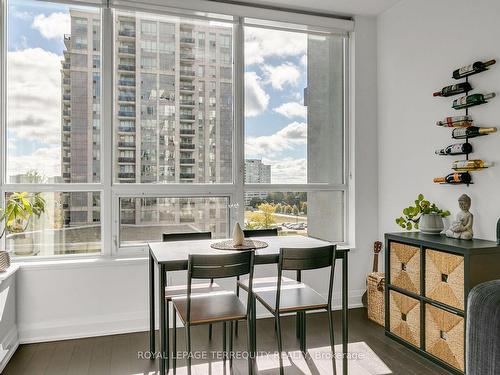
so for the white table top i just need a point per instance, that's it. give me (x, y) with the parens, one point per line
(174, 254)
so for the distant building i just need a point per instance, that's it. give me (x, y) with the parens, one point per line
(256, 172)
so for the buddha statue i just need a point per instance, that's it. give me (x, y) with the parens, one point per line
(461, 228)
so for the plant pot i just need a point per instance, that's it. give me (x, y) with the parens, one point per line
(22, 245)
(4, 260)
(431, 224)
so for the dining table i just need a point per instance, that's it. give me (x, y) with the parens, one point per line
(171, 256)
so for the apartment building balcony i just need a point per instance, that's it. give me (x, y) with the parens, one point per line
(67, 41)
(66, 65)
(126, 98)
(186, 88)
(126, 144)
(187, 117)
(186, 176)
(187, 161)
(187, 131)
(66, 175)
(126, 33)
(66, 113)
(66, 143)
(126, 50)
(126, 160)
(186, 57)
(187, 219)
(66, 128)
(66, 81)
(126, 67)
(126, 114)
(187, 103)
(187, 74)
(186, 26)
(189, 40)
(187, 146)
(126, 175)
(126, 129)
(66, 159)
(66, 97)
(126, 82)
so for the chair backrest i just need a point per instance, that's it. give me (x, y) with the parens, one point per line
(260, 232)
(189, 236)
(203, 266)
(301, 259)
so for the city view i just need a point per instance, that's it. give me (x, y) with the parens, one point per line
(172, 123)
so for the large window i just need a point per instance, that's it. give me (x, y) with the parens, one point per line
(294, 131)
(169, 123)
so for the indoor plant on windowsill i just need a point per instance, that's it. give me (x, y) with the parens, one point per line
(424, 215)
(16, 216)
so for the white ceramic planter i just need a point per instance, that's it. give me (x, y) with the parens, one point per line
(431, 224)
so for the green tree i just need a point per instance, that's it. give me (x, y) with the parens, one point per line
(295, 210)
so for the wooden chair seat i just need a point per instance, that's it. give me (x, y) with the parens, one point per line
(295, 296)
(211, 308)
(196, 289)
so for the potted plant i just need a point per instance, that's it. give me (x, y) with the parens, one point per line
(424, 215)
(16, 216)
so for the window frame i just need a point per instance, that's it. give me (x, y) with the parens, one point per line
(111, 192)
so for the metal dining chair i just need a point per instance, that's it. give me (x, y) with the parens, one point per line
(214, 307)
(249, 233)
(280, 295)
(181, 290)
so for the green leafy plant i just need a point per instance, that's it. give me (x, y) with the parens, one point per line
(18, 211)
(412, 214)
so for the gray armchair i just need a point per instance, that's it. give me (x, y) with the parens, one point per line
(483, 330)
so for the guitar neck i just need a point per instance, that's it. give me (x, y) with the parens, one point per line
(375, 262)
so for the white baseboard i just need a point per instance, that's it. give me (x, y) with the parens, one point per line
(104, 325)
(9, 346)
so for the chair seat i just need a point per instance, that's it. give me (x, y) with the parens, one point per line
(196, 289)
(295, 296)
(211, 308)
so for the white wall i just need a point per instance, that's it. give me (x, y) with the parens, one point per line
(59, 300)
(420, 43)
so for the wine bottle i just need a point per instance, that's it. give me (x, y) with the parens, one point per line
(472, 100)
(468, 70)
(456, 122)
(454, 178)
(459, 88)
(469, 165)
(456, 149)
(471, 132)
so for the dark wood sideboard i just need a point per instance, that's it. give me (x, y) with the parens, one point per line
(428, 278)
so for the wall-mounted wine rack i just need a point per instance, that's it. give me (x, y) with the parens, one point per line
(458, 177)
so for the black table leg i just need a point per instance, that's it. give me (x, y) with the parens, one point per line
(151, 306)
(163, 335)
(345, 301)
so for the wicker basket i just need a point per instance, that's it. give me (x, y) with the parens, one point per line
(405, 266)
(405, 317)
(444, 336)
(375, 287)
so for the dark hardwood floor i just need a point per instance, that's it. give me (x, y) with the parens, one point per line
(123, 354)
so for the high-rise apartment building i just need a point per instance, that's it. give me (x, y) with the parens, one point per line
(173, 114)
(256, 172)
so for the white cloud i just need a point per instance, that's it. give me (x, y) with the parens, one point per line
(294, 134)
(263, 43)
(34, 96)
(256, 99)
(292, 109)
(281, 75)
(303, 60)
(22, 15)
(53, 26)
(288, 170)
(45, 160)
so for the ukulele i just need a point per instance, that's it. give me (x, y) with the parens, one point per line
(377, 248)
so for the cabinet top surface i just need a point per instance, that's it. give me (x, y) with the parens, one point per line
(441, 241)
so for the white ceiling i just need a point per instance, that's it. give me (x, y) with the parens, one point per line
(348, 7)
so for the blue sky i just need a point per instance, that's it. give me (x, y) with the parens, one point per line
(276, 75)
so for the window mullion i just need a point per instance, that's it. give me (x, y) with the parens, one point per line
(108, 234)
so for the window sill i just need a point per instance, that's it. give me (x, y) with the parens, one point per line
(51, 264)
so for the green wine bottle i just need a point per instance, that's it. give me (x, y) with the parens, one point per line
(471, 100)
